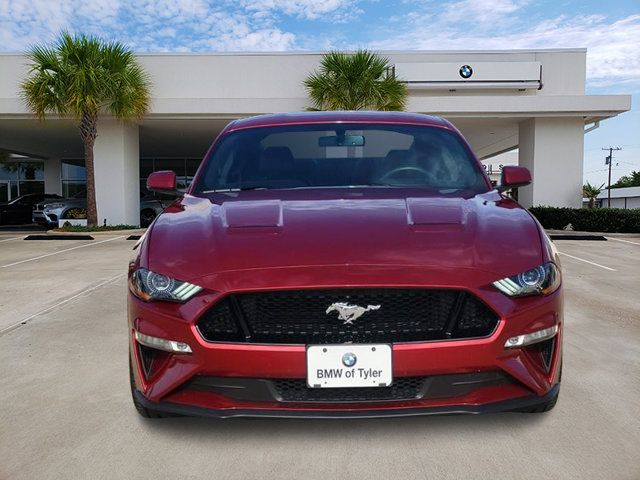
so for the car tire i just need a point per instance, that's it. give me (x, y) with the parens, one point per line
(147, 216)
(141, 409)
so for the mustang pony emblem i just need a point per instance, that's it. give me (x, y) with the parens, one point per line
(349, 313)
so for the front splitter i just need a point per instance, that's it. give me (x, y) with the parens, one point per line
(513, 405)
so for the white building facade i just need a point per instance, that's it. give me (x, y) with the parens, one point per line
(530, 100)
(626, 197)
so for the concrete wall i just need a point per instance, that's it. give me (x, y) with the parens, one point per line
(117, 173)
(228, 83)
(267, 82)
(552, 149)
(52, 176)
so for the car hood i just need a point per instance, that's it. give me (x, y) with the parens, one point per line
(66, 203)
(262, 231)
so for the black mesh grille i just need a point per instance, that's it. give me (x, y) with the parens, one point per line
(475, 320)
(219, 323)
(407, 388)
(300, 317)
(546, 352)
(297, 391)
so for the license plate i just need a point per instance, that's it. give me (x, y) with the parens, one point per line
(343, 366)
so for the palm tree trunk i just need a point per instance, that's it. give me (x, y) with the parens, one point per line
(88, 133)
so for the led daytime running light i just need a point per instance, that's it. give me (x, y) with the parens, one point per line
(531, 338)
(171, 346)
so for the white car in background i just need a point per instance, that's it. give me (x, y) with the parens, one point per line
(49, 213)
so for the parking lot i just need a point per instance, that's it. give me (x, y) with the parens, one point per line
(65, 408)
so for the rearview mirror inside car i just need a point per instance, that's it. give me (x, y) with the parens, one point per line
(341, 141)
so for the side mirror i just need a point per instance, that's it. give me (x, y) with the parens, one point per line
(162, 182)
(514, 177)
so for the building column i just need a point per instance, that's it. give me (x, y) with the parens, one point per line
(117, 172)
(553, 150)
(53, 176)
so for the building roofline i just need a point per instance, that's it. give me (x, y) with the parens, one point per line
(621, 192)
(319, 52)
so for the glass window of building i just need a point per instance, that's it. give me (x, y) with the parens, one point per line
(20, 175)
(74, 177)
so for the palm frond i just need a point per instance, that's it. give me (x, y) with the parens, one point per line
(82, 76)
(357, 81)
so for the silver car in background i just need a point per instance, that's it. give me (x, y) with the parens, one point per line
(49, 213)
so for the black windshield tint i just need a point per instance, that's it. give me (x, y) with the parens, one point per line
(341, 155)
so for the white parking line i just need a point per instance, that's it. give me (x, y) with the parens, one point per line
(587, 261)
(9, 239)
(59, 251)
(53, 307)
(620, 240)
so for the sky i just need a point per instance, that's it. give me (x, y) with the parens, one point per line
(609, 30)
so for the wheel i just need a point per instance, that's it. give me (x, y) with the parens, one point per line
(142, 410)
(146, 217)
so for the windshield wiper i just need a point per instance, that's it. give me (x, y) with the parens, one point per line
(237, 189)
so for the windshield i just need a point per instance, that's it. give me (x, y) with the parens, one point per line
(341, 155)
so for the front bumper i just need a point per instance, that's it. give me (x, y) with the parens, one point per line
(168, 386)
(44, 218)
(510, 405)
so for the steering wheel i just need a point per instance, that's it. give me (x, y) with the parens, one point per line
(427, 175)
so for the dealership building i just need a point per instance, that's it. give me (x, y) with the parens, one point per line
(530, 100)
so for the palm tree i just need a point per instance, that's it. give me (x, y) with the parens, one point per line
(81, 77)
(358, 81)
(591, 192)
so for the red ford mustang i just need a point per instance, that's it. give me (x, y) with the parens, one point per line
(344, 264)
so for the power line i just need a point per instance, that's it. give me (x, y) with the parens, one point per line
(608, 161)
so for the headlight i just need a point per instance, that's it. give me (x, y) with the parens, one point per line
(53, 206)
(148, 285)
(542, 280)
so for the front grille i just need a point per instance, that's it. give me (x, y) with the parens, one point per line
(406, 388)
(300, 317)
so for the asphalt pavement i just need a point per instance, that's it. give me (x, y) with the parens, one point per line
(66, 412)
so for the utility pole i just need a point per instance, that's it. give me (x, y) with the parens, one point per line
(609, 161)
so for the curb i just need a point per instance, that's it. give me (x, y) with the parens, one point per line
(137, 231)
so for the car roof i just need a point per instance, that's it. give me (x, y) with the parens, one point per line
(298, 118)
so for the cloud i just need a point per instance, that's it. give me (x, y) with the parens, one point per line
(613, 56)
(148, 25)
(484, 12)
(304, 9)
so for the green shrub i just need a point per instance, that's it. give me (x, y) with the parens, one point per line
(608, 220)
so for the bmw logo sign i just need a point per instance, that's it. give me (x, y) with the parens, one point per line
(349, 359)
(466, 71)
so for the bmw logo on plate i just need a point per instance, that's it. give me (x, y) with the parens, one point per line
(466, 71)
(349, 359)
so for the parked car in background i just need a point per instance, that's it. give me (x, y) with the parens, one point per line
(350, 264)
(48, 213)
(19, 210)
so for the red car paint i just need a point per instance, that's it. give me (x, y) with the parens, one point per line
(297, 239)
